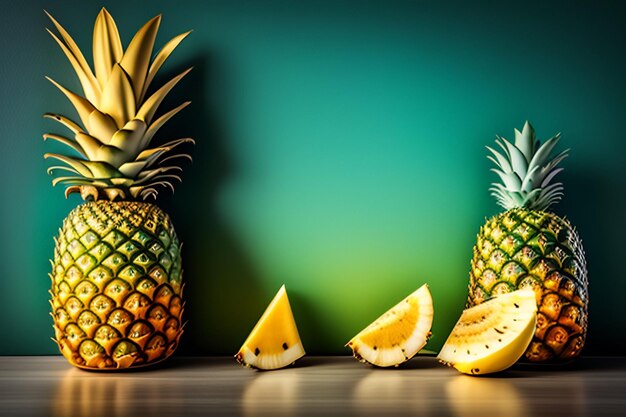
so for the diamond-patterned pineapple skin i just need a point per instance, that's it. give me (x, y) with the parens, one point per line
(523, 248)
(116, 291)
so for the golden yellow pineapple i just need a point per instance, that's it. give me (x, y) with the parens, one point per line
(274, 342)
(527, 246)
(398, 334)
(116, 291)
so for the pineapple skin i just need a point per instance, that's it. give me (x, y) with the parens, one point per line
(524, 248)
(116, 291)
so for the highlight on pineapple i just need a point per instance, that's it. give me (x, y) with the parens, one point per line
(274, 341)
(397, 335)
(116, 291)
(492, 336)
(528, 246)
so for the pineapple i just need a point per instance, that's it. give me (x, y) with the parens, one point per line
(528, 246)
(274, 342)
(398, 334)
(492, 336)
(116, 292)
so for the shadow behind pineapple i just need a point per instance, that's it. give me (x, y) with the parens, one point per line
(116, 291)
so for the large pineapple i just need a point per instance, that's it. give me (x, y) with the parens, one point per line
(530, 247)
(116, 276)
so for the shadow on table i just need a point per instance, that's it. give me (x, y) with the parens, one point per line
(580, 364)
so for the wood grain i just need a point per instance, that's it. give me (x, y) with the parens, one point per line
(317, 386)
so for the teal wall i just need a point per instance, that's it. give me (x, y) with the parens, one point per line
(340, 151)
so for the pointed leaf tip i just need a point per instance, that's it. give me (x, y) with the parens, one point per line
(159, 59)
(136, 58)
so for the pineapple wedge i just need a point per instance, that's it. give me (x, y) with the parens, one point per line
(398, 334)
(274, 342)
(492, 336)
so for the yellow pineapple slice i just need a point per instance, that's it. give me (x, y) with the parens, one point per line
(398, 334)
(274, 342)
(492, 336)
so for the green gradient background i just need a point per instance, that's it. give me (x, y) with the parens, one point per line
(340, 151)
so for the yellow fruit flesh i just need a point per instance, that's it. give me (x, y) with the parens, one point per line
(492, 336)
(274, 342)
(398, 334)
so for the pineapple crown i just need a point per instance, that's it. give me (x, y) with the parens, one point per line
(113, 154)
(526, 169)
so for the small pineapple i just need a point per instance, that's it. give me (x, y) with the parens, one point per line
(529, 247)
(116, 275)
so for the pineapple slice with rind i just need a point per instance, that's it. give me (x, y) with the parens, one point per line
(398, 334)
(274, 342)
(492, 336)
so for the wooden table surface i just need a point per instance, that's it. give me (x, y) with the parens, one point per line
(317, 386)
